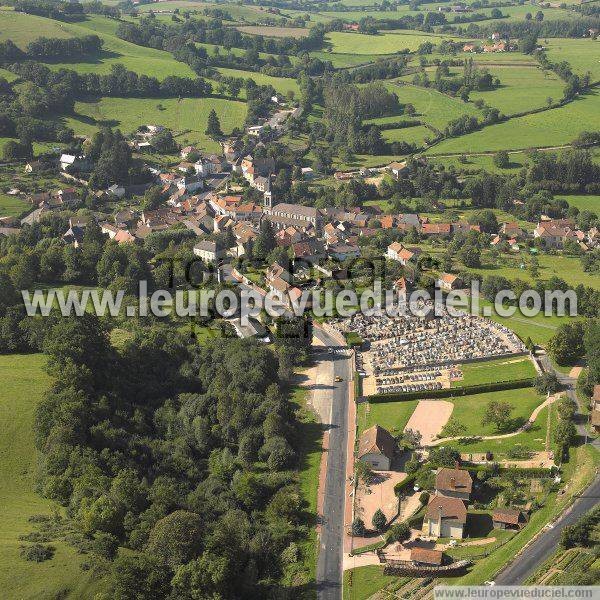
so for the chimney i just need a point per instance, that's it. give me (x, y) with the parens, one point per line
(452, 483)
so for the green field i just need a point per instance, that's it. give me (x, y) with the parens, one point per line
(408, 134)
(547, 128)
(583, 202)
(503, 369)
(582, 54)
(521, 89)
(22, 29)
(144, 61)
(24, 383)
(11, 206)
(384, 43)
(186, 118)
(485, 162)
(391, 415)
(281, 84)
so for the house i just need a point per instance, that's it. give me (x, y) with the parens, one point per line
(68, 160)
(426, 557)
(377, 448)
(445, 517)
(116, 190)
(124, 237)
(449, 282)
(351, 27)
(552, 236)
(495, 36)
(398, 252)
(455, 483)
(309, 250)
(276, 271)
(512, 230)
(73, 236)
(393, 251)
(35, 166)
(343, 252)
(307, 173)
(469, 48)
(208, 251)
(247, 212)
(395, 168)
(595, 409)
(436, 229)
(185, 152)
(508, 518)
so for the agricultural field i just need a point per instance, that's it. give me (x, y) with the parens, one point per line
(295, 32)
(144, 61)
(434, 108)
(385, 43)
(187, 118)
(24, 383)
(416, 135)
(549, 128)
(22, 29)
(281, 84)
(583, 202)
(521, 89)
(582, 54)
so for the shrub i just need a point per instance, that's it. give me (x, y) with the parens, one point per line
(398, 532)
(37, 552)
(424, 498)
(358, 527)
(379, 520)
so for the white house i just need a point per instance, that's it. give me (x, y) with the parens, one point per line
(445, 517)
(377, 448)
(208, 251)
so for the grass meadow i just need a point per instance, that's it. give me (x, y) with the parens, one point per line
(582, 54)
(24, 383)
(583, 202)
(187, 118)
(281, 84)
(521, 89)
(22, 28)
(505, 369)
(12, 206)
(548, 128)
(384, 43)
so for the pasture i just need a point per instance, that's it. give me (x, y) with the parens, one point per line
(434, 108)
(547, 128)
(22, 29)
(583, 202)
(385, 43)
(281, 84)
(416, 135)
(294, 32)
(144, 61)
(24, 383)
(582, 54)
(187, 118)
(521, 89)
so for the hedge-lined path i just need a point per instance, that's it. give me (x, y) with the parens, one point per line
(550, 400)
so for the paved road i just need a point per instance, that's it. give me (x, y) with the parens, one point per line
(329, 565)
(547, 542)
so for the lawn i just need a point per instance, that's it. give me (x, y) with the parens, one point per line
(521, 89)
(503, 369)
(469, 410)
(11, 206)
(362, 582)
(582, 54)
(391, 415)
(281, 84)
(24, 383)
(583, 202)
(187, 118)
(410, 135)
(547, 128)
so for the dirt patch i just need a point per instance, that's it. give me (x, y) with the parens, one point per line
(575, 372)
(379, 494)
(429, 419)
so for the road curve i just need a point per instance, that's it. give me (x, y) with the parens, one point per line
(547, 541)
(329, 564)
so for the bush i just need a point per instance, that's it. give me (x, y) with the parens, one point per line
(379, 520)
(398, 532)
(424, 498)
(37, 552)
(358, 527)
(405, 485)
